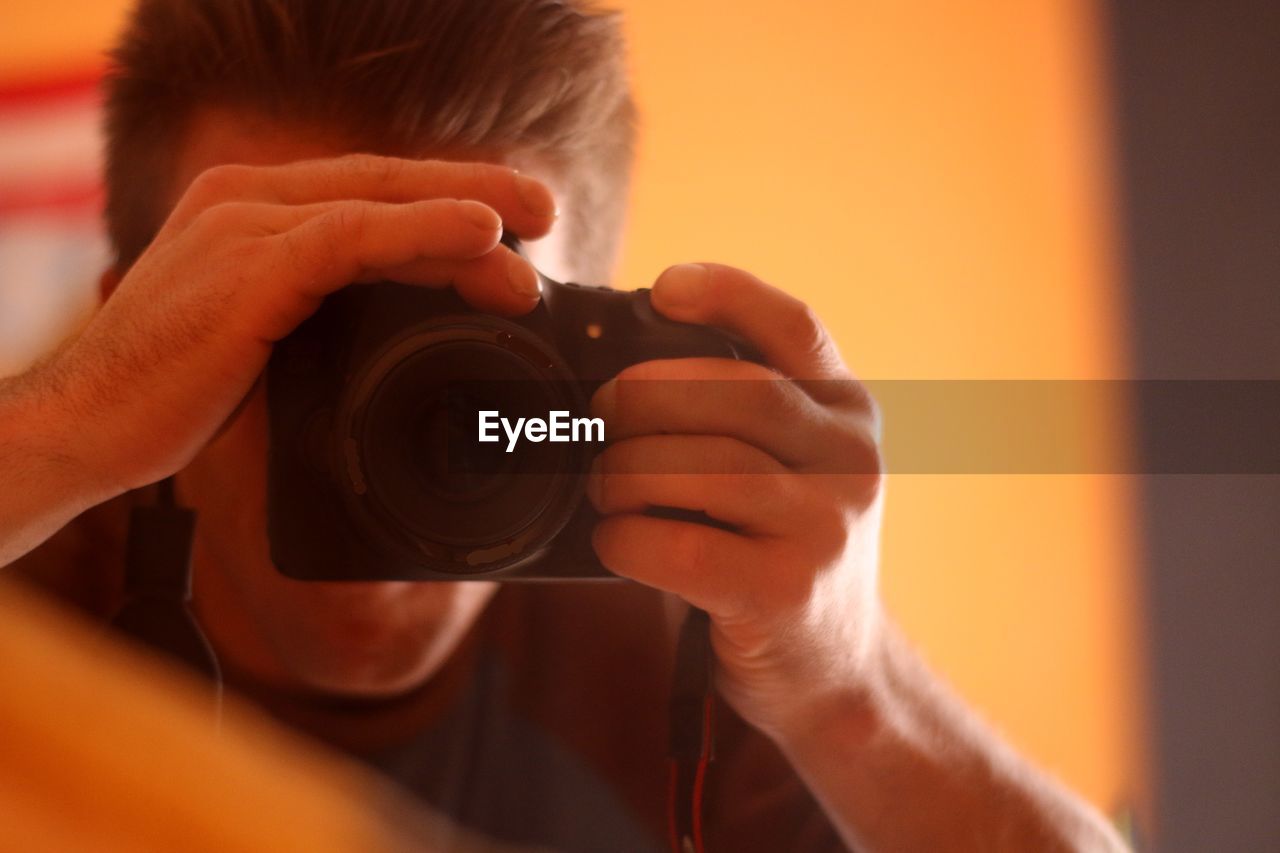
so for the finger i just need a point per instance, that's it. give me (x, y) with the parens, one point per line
(458, 228)
(359, 240)
(352, 238)
(483, 282)
(730, 481)
(704, 396)
(784, 328)
(707, 567)
(470, 261)
(525, 204)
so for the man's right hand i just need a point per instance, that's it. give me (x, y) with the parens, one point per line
(246, 255)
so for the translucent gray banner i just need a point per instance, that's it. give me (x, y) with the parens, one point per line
(927, 426)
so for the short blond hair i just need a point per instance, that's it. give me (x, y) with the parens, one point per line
(540, 77)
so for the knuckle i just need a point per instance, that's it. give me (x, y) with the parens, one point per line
(219, 182)
(801, 326)
(360, 161)
(494, 181)
(294, 254)
(855, 397)
(452, 179)
(860, 451)
(444, 173)
(372, 167)
(349, 220)
(219, 219)
(779, 396)
(689, 547)
(388, 170)
(867, 488)
(831, 532)
(862, 467)
(870, 408)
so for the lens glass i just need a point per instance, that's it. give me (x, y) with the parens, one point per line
(425, 471)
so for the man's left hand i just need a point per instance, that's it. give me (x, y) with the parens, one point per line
(786, 458)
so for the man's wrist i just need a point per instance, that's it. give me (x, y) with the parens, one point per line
(848, 712)
(45, 482)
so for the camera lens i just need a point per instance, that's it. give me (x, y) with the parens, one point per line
(447, 459)
(420, 477)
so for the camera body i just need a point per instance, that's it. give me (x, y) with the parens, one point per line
(374, 470)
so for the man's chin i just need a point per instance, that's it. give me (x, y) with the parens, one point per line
(376, 640)
(359, 684)
(358, 660)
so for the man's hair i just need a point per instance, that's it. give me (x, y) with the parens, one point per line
(540, 77)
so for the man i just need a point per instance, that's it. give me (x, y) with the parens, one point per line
(235, 205)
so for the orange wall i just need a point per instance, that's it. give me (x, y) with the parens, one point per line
(929, 176)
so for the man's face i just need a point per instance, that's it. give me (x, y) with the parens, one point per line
(370, 639)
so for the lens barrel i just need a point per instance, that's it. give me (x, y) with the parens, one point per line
(418, 480)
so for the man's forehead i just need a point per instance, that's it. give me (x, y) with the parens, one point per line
(216, 136)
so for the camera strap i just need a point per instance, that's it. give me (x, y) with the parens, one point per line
(157, 587)
(692, 735)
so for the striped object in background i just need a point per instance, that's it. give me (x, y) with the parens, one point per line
(51, 244)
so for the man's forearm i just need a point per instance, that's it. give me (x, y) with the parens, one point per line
(901, 764)
(42, 484)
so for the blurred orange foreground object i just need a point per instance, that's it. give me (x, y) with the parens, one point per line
(104, 749)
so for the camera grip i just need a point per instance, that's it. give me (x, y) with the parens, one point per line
(688, 340)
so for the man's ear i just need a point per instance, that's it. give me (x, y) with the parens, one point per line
(108, 282)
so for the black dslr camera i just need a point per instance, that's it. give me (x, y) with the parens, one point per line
(375, 471)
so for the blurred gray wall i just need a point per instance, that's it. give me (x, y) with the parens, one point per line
(1197, 97)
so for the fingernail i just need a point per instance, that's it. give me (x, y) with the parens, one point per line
(535, 197)
(681, 286)
(480, 215)
(523, 278)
